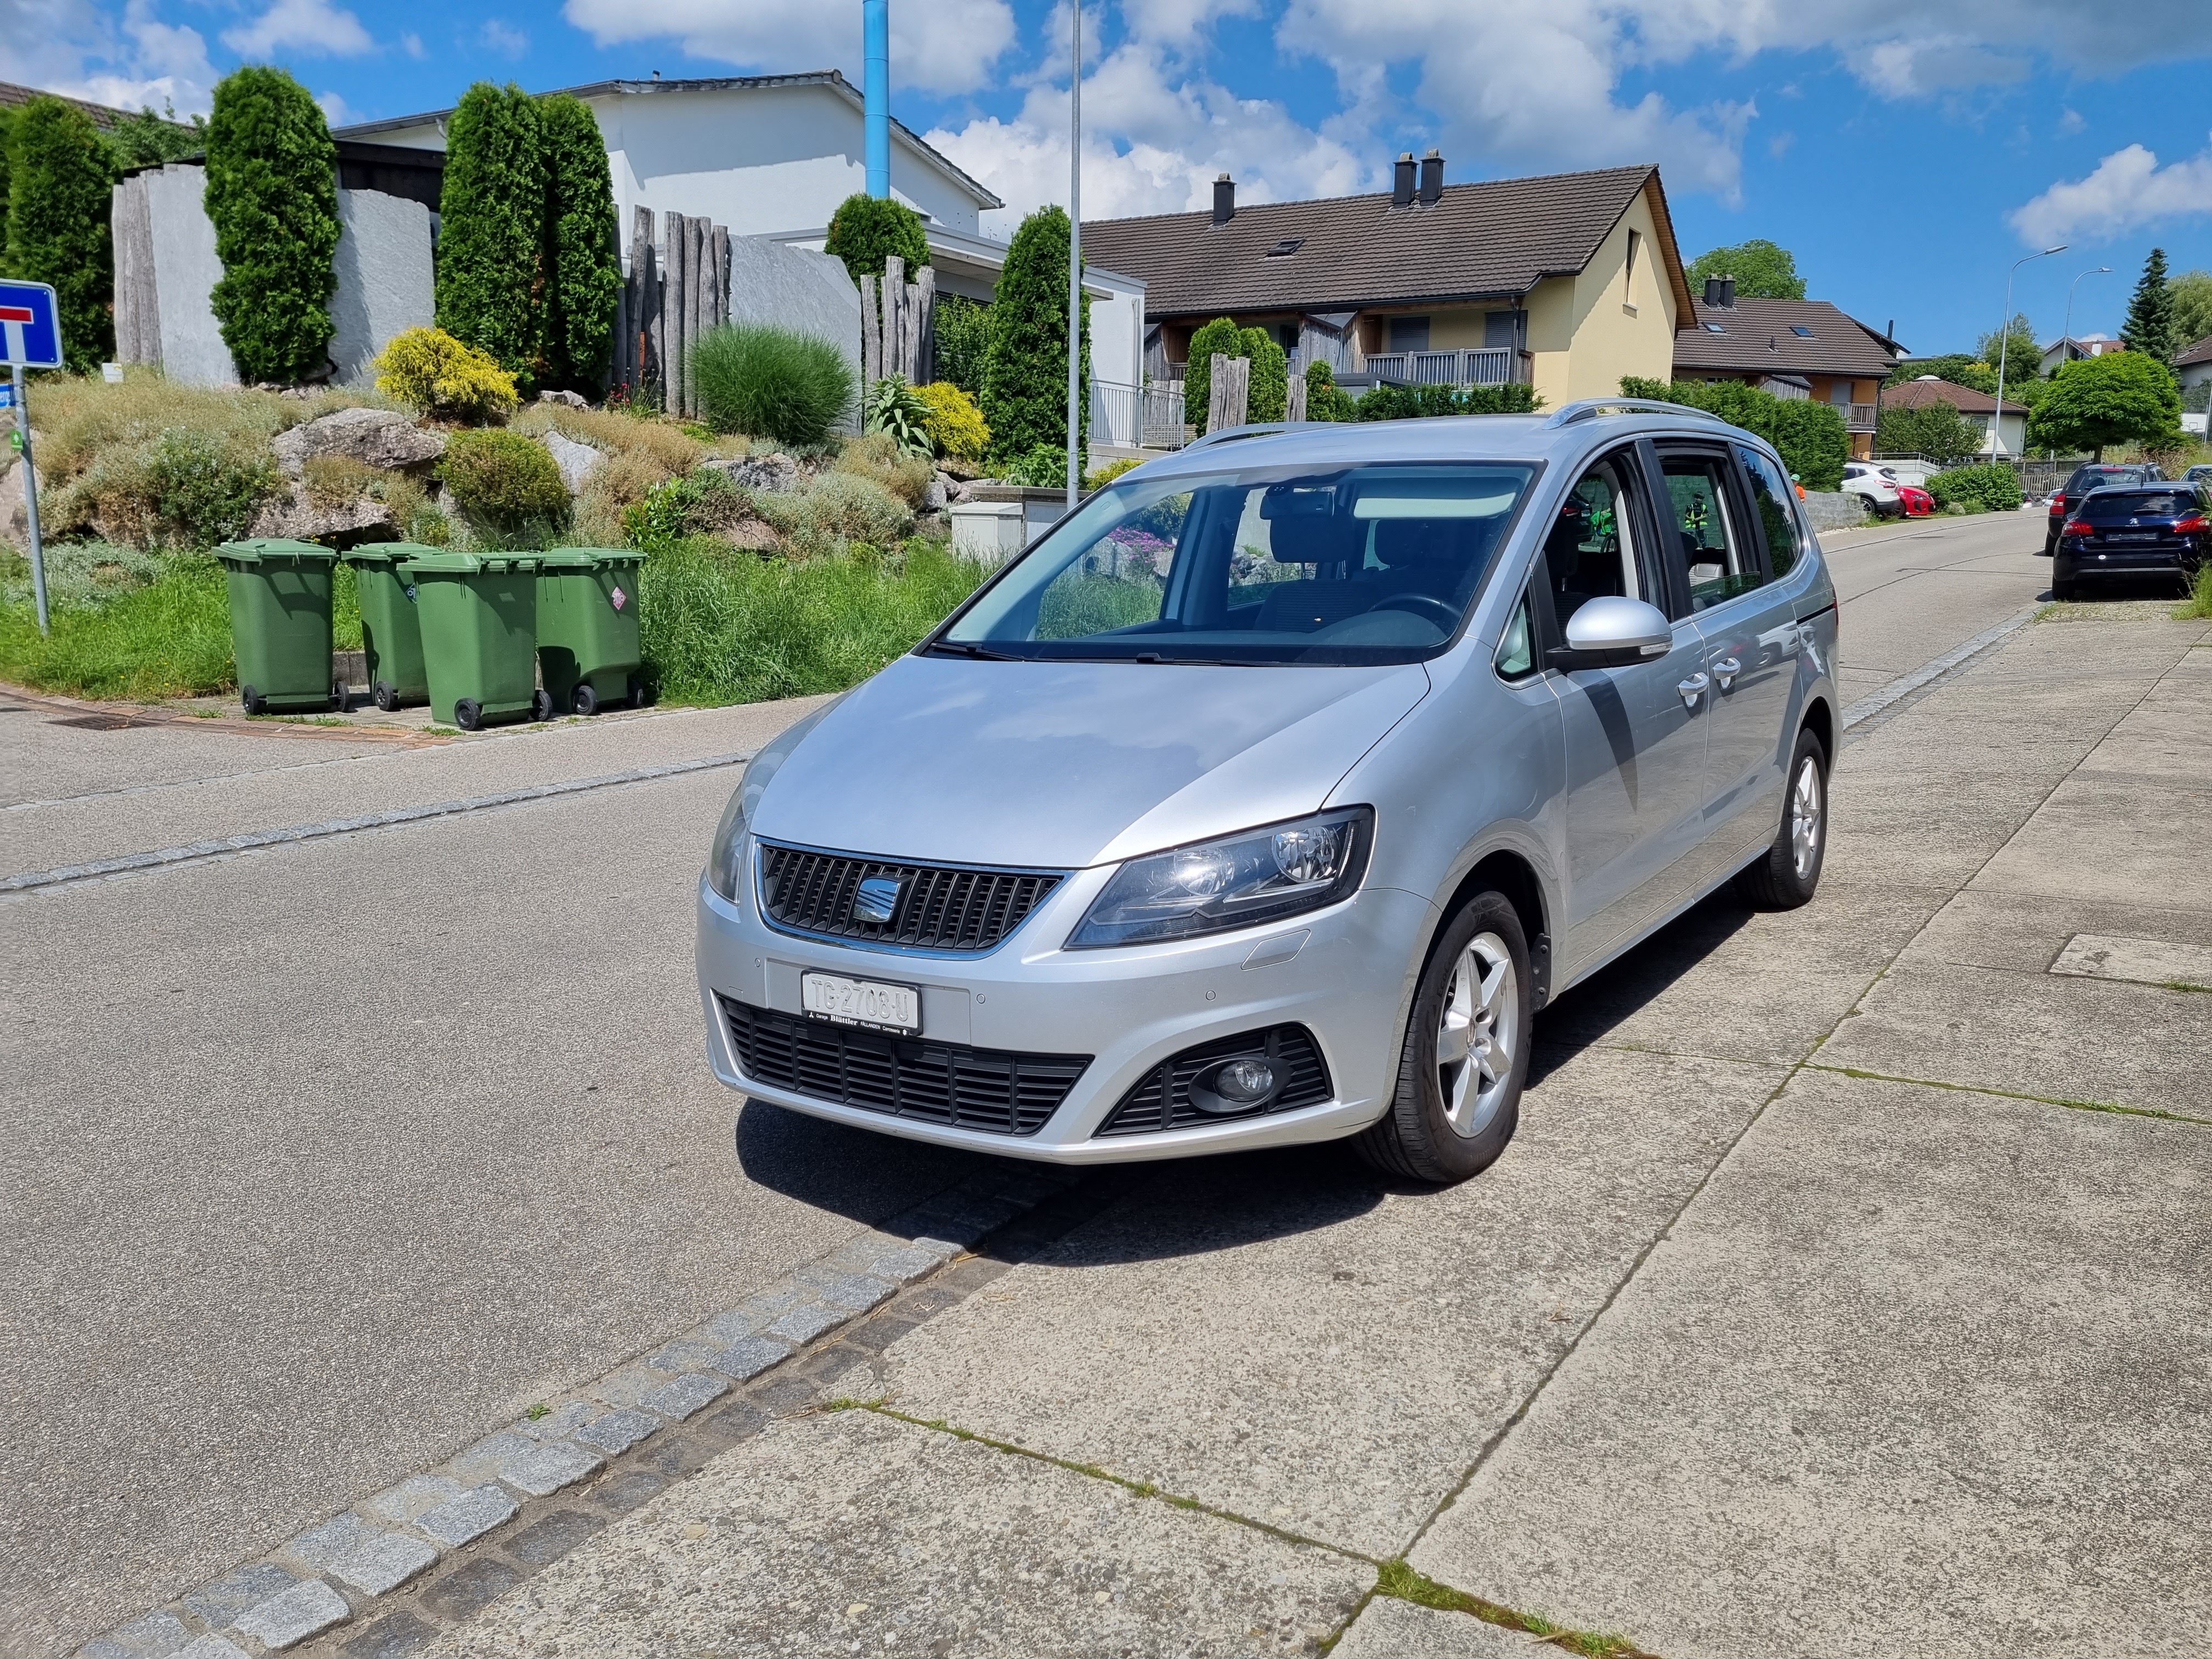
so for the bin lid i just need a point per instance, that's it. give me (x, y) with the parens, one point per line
(590, 558)
(273, 550)
(387, 552)
(436, 562)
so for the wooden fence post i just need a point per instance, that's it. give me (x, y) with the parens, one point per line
(1228, 393)
(645, 280)
(925, 365)
(871, 335)
(1294, 408)
(894, 292)
(672, 315)
(721, 274)
(695, 284)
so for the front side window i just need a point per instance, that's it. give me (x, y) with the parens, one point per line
(1364, 564)
(1770, 496)
(1517, 647)
(1589, 551)
(1712, 549)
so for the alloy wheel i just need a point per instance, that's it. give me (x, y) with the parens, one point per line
(1478, 1034)
(1805, 817)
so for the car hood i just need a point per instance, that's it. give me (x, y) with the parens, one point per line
(1062, 765)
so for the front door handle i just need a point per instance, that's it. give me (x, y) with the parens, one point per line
(1726, 670)
(1692, 689)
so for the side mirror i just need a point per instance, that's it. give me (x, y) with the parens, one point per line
(1614, 632)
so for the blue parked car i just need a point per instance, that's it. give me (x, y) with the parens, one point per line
(2134, 530)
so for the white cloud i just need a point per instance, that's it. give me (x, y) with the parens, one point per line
(503, 37)
(2127, 192)
(2070, 122)
(312, 27)
(411, 44)
(336, 110)
(947, 47)
(76, 47)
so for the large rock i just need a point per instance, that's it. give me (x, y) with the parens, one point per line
(383, 287)
(775, 473)
(295, 516)
(570, 399)
(377, 437)
(577, 461)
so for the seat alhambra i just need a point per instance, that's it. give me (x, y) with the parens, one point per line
(1271, 794)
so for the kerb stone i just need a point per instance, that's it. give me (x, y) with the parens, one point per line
(289, 1617)
(469, 1515)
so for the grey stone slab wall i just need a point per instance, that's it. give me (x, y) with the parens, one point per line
(384, 275)
(799, 289)
(181, 238)
(1837, 511)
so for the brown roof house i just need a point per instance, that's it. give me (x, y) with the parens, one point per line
(2192, 367)
(1792, 347)
(1975, 408)
(1565, 283)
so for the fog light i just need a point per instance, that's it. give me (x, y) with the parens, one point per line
(1237, 1085)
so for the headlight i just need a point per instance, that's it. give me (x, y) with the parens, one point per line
(1235, 882)
(728, 851)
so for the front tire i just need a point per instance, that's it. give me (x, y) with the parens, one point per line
(1466, 1055)
(1787, 872)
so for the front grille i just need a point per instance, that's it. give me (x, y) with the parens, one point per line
(996, 1090)
(940, 907)
(1161, 1098)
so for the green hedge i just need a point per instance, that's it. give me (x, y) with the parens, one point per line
(1811, 437)
(59, 179)
(1408, 403)
(491, 229)
(963, 327)
(272, 196)
(1325, 399)
(1978, 488)
(583, 275)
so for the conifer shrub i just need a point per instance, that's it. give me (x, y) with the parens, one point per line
(962, 331)
(491, 232)
(1222, 335)
(1325, 399)
(433, 374)
(772, 382)
(1024, 397)
(582, 283)
(1267, 393)
(59, 175)
(506, 483)
(865, 230)
(272, 196)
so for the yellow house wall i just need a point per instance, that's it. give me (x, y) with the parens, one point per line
(1587, 331)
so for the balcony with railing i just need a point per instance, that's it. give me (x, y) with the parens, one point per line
(1859, 417)
(1138, 416)
(1477, 365)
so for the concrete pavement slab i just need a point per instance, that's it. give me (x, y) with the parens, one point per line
(853, 1533)
(2071, 847)
(2026, 932)
(2143, 960)
(1282, 1336)
(1921, 1373)
(1388, 1628)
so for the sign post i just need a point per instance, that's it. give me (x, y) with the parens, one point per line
(30, 331)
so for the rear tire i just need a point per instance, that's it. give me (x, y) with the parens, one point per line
(1787, 872)
(541, 705)
(1466, 1054)
(385, 696)
(468, 714)
(254, 702)
(584, 700)
(2064, 587)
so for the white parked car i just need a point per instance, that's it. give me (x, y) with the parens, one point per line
(1874, 485)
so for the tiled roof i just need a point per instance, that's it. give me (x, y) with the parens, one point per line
(2199, 353)
(1917, 394)
(1493, 239)
(104, 115)
(1759, 336)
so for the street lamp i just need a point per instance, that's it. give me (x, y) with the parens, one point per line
(2004, 339)
(2066, 340)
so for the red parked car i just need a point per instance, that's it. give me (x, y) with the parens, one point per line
(1917, 503)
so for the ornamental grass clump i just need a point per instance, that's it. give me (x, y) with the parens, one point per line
(771, 382)
(433, 374)
(506, 485)
(880, 457)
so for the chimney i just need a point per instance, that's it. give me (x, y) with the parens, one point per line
(1433, 178)
(1728, 293)
(1224, 198)
(1712, 291)
(1401, 186)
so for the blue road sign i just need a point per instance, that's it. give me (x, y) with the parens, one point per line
(7, 394)
(30, 325)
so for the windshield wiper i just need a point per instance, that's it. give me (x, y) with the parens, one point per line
(961, 649)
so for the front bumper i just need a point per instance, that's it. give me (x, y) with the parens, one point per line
(1347, 980)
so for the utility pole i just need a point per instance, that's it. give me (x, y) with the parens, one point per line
(1075, 260)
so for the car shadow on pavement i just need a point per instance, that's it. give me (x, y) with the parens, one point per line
(849, 1172)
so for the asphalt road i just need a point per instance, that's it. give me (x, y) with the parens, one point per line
(324, 1159)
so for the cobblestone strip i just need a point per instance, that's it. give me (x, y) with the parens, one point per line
(382, 1578)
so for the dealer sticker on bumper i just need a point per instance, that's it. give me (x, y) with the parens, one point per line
(861, 1002)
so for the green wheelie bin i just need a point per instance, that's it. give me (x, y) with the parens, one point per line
(280, 623)
(587, 641)
(479, 618)
(391, 631)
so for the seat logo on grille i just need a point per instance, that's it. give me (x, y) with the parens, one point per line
(877, 900)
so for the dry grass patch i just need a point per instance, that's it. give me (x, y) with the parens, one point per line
(877, 458)
(79, 418)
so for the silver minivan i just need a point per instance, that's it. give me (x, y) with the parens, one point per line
(1272, 795)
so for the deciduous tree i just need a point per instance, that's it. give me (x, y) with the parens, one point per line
(1762, 270)
(2022, 352)
(2123, 397)
(2192, 307)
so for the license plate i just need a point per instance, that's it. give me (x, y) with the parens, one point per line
(861, 1002)
(2131, 536)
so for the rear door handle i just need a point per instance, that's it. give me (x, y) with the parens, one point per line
(1692, 689)
(1726, 670)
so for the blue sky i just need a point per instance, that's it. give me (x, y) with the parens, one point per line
(1906, 151)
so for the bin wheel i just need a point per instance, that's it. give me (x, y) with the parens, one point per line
(468, 714)
(583, 699)
(637, 691)
(384, 694)
(541, 704)
(254, 702)
(338, 696)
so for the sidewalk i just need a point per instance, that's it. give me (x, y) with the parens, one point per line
(1845, 1292)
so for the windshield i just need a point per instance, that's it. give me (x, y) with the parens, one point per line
(1363, 564)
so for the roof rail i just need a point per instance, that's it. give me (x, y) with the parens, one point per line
(1253, 429)
(1584, 408)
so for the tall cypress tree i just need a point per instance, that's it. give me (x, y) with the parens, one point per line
(59, 179)
(582, 282)
(2149, 326)
(272, 195)
(1025, 367)
(491, 229)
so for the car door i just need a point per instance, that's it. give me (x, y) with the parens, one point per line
(1633, 738)
(1727, 526)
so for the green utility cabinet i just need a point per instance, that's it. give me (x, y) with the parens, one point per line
(280, 623)
(479, 619)
(587, 628)
(391, 629)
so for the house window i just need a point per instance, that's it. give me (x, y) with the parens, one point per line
(1409, 334)
(1501, 328)
(1635, 246)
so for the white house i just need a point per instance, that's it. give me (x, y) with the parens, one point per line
(2073, 348)
(772, 155)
